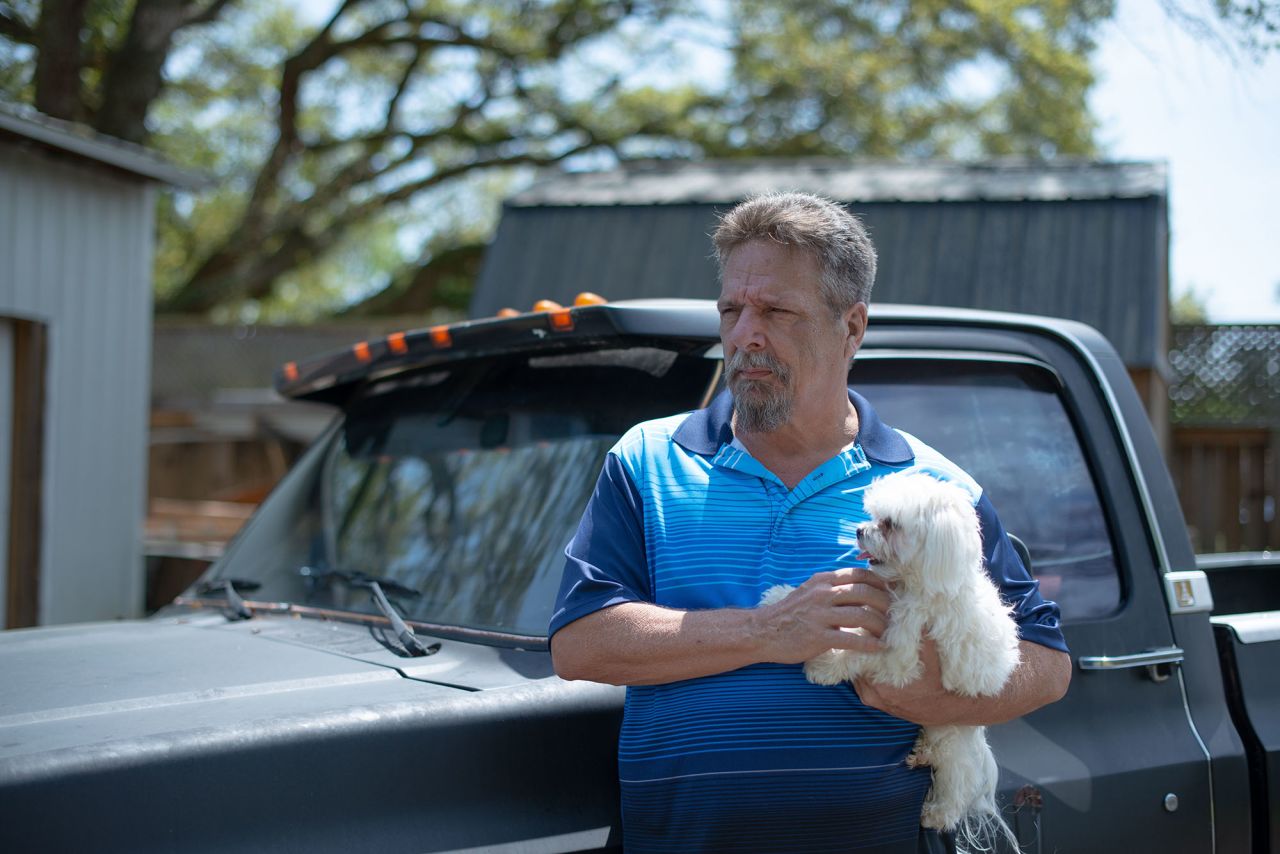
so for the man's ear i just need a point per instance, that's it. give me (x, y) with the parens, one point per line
(855, 320)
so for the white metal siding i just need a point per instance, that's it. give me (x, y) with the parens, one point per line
(75, 253)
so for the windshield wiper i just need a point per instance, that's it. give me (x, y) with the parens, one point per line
(239, 609)
(376, 586)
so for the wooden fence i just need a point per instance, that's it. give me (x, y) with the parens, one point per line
(1228, 480)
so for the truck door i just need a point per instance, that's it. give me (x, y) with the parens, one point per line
(1117, 764)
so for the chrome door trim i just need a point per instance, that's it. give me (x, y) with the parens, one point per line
(1146, 658)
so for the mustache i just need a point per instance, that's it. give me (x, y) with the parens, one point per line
(748, 361)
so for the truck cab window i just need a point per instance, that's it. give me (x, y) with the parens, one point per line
(1006, 425)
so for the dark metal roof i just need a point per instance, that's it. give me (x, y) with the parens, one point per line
(1087, 242)
(666, 182)
(69, 138)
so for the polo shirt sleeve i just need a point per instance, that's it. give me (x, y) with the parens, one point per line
(1038, 619)
(605, 562)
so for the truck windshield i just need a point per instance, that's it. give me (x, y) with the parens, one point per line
(463, 483)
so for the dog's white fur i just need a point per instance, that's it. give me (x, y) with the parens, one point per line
(923, 537)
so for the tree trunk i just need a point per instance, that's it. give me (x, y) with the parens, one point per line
(134, 77)
(58, 65)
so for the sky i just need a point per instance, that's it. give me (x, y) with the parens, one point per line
(1165, 95)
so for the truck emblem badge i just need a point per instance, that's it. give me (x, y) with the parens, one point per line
(1184, 593)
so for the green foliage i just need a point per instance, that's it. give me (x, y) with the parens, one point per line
(911, 78)
(1189, 306)
(1251, 26)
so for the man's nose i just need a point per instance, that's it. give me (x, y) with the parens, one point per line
(747, 332)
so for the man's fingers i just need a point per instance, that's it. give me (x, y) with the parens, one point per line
(863, 594)
(870, 620)
(853, 575)
(854, 641)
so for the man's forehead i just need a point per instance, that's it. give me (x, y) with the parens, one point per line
(768, 252)
(764, 267)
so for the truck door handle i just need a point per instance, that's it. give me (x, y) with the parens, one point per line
(1149, 659)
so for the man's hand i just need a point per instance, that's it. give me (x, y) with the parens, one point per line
(842, 609)
(1041, 677)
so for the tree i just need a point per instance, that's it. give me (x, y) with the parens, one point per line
(1249, 25)
(1191, 306)
(927, 78)
(357, 159)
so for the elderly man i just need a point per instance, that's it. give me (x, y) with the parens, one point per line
(725, 746)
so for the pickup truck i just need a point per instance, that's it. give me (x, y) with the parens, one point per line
(366, 666)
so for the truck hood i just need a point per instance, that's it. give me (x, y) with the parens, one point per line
(121, 686)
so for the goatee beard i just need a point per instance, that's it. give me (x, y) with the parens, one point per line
(759, 406)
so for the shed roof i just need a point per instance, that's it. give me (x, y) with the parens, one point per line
(47, 132)
(665, 182)
(1086, 241)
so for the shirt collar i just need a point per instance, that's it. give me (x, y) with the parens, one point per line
(705, 430)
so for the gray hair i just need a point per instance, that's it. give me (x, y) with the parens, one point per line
(836, 238)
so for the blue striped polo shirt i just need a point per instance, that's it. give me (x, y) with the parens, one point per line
(757, 759)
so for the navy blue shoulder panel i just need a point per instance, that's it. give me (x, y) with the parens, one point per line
(605, 561)
(1039, 620)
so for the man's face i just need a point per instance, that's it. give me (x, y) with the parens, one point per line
(782, 343)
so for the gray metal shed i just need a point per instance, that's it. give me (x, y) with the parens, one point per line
(76, 238)
(1083, 240)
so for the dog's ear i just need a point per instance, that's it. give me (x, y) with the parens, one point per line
(952, 544)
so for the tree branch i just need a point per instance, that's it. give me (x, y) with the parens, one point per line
(415, 289)
(312, 55)
(196, 16)
(393, 106)
(15, 29)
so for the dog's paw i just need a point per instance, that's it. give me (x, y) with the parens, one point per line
(829, 668)
(940, 816)
(776, 593)
(920, 756)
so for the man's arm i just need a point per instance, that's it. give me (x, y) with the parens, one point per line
(1041, 677)
(636, 643)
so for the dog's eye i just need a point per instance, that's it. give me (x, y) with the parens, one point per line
(887, 524)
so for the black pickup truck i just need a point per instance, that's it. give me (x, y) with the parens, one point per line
(366, 667)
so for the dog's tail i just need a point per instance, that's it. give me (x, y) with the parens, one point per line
(981, 831)
(982, 828)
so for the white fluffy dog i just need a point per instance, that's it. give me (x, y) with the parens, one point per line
(923, 537)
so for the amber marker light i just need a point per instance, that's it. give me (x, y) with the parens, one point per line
(440, 336)
(508, 312)
(362, 351)
(547, 305)
(561, 320)
(397, 344)
(588, 298)
(290, 371)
